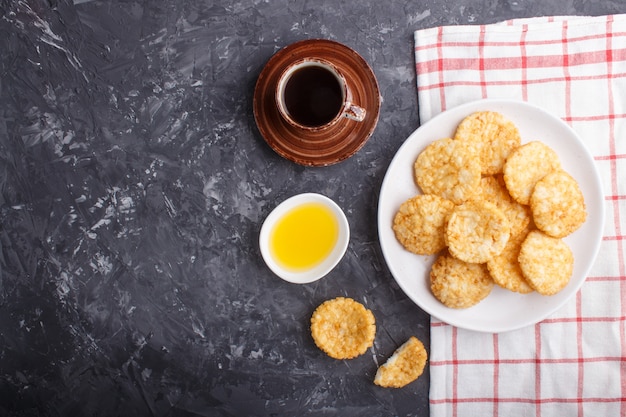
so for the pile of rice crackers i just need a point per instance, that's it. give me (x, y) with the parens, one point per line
(494, 210)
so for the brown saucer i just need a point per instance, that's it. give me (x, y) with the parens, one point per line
(341, 140)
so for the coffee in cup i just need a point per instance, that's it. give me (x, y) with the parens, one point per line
(311, 94)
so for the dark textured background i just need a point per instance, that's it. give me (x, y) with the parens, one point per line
(133, 184)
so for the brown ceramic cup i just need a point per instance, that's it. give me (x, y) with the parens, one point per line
(312, 94)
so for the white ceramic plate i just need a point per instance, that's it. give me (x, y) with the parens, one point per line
(502, 310)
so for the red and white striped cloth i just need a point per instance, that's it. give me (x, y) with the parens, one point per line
(574, 362)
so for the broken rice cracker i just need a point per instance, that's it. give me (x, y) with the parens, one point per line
(404, 366)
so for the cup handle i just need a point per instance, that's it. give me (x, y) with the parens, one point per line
(354, 112)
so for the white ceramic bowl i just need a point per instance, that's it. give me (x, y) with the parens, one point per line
(318, 271)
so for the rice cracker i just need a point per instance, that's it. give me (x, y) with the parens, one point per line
(477, 231)
(343, 328)
(419, 223)
(493, 189)
(505, 269)
(492, 136)
(449, 169)
(459, 284)
(525, 166)
(404, 366)
(546, 262)
(557, 204)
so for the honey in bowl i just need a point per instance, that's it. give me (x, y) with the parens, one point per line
(304, 236)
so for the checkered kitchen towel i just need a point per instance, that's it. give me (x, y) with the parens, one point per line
(574, 362)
